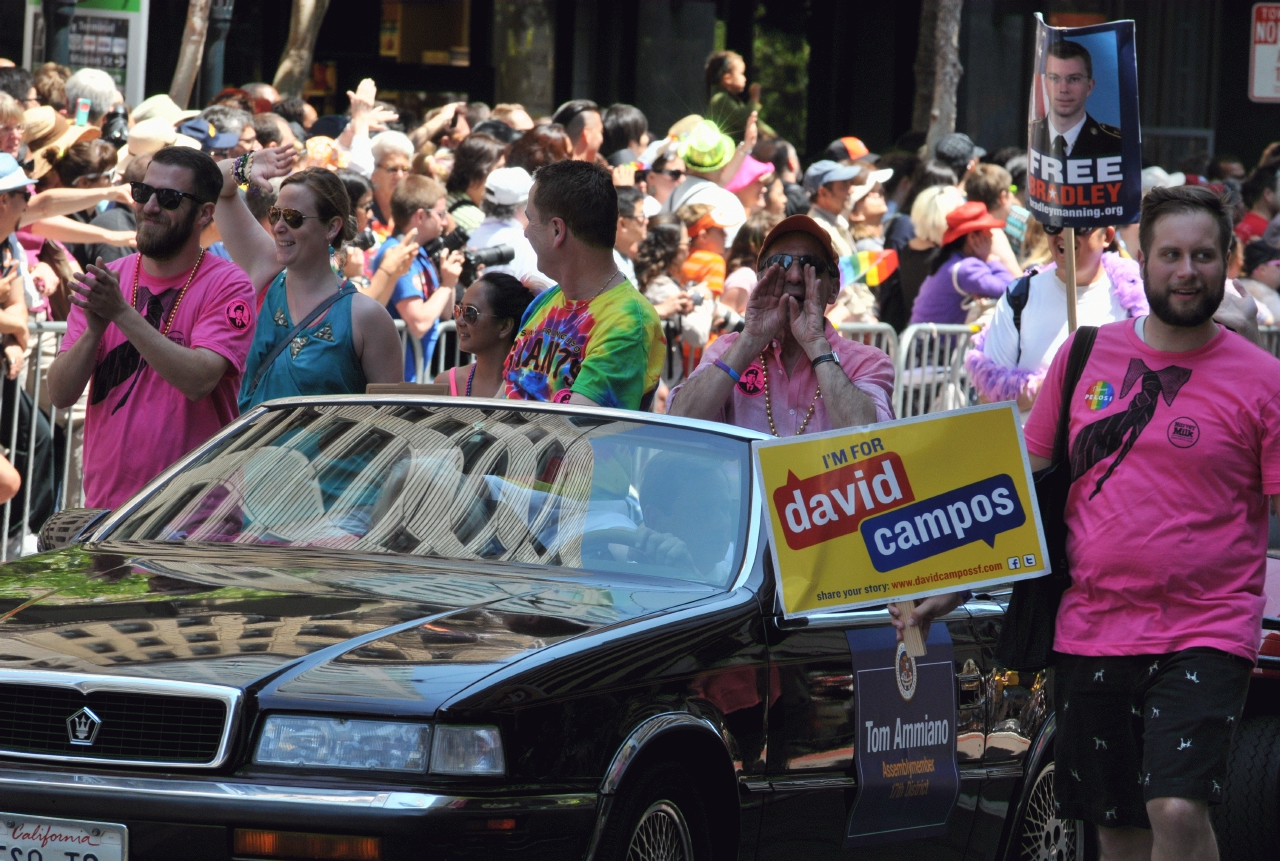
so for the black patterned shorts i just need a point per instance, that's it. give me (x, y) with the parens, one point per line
(1134, 728)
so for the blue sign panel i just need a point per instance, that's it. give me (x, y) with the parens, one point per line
(975, 512)
(908, 780)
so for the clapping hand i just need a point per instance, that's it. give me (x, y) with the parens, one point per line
(97, 291)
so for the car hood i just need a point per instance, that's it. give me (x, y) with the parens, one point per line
(301, 625)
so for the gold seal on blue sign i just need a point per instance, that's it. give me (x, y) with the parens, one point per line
(905, 673)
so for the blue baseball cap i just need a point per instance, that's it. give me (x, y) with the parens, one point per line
(12, 176)
(208, 135)
(822, 172)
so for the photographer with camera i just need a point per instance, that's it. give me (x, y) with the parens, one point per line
(418, 210)
(506, 191)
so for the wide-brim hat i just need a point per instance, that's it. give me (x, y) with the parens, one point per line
(150, 136)
(969, 218)
(706, 149)
(46, 129)
(12, 176)
(799, 224)
(161, 107)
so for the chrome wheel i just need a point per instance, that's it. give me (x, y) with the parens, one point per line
(1045, 837)
(661, 835)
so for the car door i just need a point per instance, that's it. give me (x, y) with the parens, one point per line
(811, 784)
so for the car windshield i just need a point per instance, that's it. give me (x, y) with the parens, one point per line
(504, 485)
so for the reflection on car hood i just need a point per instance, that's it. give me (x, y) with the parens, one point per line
(339, 626)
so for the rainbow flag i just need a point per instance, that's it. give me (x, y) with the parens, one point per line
(873, 267)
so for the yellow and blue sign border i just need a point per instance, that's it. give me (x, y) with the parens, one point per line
(961, 478)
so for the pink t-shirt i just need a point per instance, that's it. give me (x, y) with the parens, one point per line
(128, 444)
(1174, 456)
(790, 396)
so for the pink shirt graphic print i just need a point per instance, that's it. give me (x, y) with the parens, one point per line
(1172, 456)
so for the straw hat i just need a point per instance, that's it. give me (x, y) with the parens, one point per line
(162, 107)
(150, 136)
(47, 128)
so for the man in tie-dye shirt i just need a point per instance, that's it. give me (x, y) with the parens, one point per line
(592, 339)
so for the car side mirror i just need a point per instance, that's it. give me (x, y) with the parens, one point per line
(66, 526)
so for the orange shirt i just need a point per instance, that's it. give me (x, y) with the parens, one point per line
(706, 267)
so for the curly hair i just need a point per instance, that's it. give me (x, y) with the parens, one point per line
(659, 248)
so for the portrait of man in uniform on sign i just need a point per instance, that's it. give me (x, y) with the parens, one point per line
(1067, 130)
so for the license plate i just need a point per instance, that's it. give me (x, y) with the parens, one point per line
(39, 838)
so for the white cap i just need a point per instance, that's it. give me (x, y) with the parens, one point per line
(1156, 177)
(508, 186)
(651, 206)
(878, 177)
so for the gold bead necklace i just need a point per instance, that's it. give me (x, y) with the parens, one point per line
(768, 405)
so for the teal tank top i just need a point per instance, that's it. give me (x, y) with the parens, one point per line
(321, 360)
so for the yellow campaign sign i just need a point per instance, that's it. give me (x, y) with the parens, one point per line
(901, 510)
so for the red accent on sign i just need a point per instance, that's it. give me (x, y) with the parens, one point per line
(832, 504)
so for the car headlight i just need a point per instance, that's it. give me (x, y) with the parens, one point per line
(340, 743)
(467, 750)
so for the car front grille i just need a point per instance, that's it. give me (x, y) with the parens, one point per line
(135, 727)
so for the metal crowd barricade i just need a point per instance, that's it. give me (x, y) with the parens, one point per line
(882, 336)
(929, 370)
(439, 361)
(1270, 339)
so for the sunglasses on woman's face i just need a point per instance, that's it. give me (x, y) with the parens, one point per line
(1081, 232)
(785, 260)
(292, 217)
(469, 313)
(676, 175)
(168, 198)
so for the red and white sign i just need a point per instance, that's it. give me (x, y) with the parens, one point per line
(1264, 53)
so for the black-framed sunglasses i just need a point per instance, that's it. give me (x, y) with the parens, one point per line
(470, 313)
(292, 217)
(676, 175)
(785, 260)
(168, 198)
(1081, 232)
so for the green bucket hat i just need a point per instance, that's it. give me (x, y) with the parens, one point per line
(706, 149)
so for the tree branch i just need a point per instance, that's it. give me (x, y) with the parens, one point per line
(184, 76)
(947, 71)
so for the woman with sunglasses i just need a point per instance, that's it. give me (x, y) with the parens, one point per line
(487, 318)
(667, 172)
(316, 334)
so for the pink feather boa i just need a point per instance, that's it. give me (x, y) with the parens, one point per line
(1000, 383)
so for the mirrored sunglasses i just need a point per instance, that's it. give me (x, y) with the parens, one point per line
(469, 313)
(168, 198)
(292, 217)
(786, 260)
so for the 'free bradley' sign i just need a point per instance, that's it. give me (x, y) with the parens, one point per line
(901, 510)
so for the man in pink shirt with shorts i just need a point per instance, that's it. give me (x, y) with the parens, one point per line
(1174, 451)
(160, 336)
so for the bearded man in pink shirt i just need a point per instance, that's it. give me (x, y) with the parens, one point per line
(1174, 449)
(160, 337)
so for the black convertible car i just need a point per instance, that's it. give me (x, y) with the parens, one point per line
(373, 628)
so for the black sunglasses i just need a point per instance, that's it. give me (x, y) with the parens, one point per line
(785, 260)
(169, 198)
(677, 175)
(292, 217)
(1081, 232)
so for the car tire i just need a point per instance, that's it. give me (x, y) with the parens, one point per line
(659, 816)
(1247, 823)
(1039, 835)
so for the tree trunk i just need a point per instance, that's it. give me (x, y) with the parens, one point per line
(947, 71)
(924, 66)
(295, 63)
(184, 76)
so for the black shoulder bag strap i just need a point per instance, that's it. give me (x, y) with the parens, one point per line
(1017, 294)
(1081, 347)
(459, 203)
(346, 290)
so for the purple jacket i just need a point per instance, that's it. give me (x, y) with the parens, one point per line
(940, 302)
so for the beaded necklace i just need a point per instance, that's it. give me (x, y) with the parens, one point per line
(173, 312)
(471, 376)
(768, 405)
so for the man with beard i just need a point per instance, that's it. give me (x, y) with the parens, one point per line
(1174, 447)
(162, 335)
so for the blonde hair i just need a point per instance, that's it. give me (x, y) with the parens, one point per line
(505, 111)
(929, 212)
(10, 111)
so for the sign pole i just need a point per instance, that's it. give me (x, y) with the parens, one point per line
(910, 636)
(1069, 276)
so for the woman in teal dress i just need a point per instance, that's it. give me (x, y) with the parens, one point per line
(353, 342)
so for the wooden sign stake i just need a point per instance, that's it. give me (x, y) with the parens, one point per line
(910, 636)
(1069, 279)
